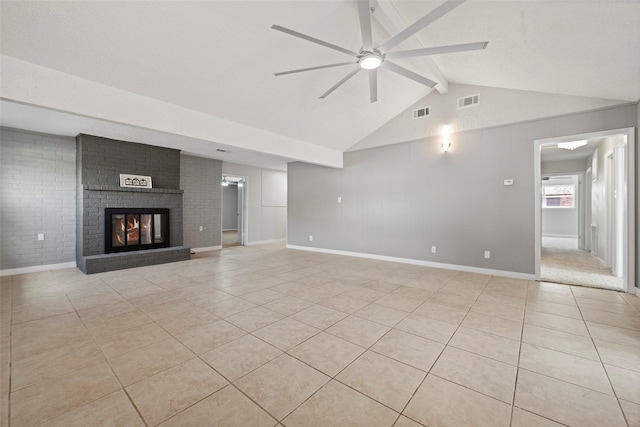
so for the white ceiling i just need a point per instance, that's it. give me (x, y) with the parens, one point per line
(218, 57)
(551, 152)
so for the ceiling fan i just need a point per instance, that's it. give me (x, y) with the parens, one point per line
(372, 56)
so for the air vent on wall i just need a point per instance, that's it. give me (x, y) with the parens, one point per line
(421, 112)
(468, 101)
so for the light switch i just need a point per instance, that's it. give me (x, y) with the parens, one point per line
(339, 199)
(508, 182)
(40, 236)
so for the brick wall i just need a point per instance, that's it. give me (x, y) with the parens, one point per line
(100, 161)
(200, 179)
(37, 195)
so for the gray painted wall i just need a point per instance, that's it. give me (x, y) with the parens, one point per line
(498, 107)
(400, 200)
(265, 222)
(200, 179)
(104, 159)
(561, 222)
(37, 188)
(564, 166)
(230, 207)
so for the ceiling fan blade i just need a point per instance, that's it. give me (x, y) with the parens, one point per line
(427, 51)
(421, 23)
(408, 74)
(341, 82)
(364, 13)
(373, 85)
(313, 40)
(319, 67)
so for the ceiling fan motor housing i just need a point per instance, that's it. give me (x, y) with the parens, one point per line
(370, 60)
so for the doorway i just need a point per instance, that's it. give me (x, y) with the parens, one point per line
(602, 253)
(233, 211)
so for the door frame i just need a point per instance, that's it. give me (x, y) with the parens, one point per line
(629, 201)
(242, 212)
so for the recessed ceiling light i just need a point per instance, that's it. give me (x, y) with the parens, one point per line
(572, 145)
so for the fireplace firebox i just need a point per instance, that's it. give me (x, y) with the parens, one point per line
(135, 229)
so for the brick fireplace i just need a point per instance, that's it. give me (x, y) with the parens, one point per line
(100, 161)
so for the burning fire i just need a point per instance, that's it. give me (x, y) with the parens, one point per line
(132, 229)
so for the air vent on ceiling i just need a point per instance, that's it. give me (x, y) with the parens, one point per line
(468, 101)
(421, 112)
(221, 150)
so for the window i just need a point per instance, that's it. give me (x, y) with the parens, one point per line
(559, 196)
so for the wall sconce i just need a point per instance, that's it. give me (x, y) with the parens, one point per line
(446, 138)
(224, 181)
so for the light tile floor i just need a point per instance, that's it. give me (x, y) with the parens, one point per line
(265, 336)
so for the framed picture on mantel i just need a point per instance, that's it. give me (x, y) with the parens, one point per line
(135, 181)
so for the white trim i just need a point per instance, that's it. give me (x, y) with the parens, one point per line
(465, 268)
(243, 195)
(206, 249)
(629, 276)
(37, 268)
(260, 242)
(566, 236)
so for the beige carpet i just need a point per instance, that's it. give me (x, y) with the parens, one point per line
(562, 262)
(230, 238)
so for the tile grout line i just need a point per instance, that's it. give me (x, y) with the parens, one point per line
(443, 348)
(251, 261)
(515, 384)
(106, 360)
(615, 395)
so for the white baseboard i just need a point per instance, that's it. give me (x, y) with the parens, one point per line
(206, 249)
(261, 242)
(564, 236)
(465, 268)
(37, 268)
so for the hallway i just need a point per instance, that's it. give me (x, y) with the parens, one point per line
(562, 262)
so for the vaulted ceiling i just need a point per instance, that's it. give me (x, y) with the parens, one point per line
(214, 61)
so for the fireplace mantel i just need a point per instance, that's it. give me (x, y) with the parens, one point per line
(131, 190)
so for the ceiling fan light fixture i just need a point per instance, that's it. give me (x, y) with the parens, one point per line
(572, 145)
(370, 60)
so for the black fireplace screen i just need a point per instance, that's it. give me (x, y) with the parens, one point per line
(134, 229)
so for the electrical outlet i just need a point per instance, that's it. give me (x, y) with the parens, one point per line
(201, 228)
(310, 238)
(508, 182)
(40, 236)
(487, 254)
(433, 249)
